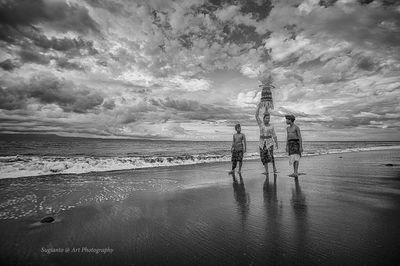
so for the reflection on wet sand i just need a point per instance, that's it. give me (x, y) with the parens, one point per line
(270, 195)
(242, 200)
(241, 197)
(299, 205)
(273, 222)
(299, 200)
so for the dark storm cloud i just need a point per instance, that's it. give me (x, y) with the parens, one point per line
(66, 64)
(237, 33)
(35, 39)
(15, 12)
(12, 35)
(364, 2)
(12, 99)
(30, 42)
(48, 89)
(372, 26)
(30, 55)
(70, 45)
(243, 34)
(129, 118)
(367, 63)
(8, 65)
(34, 47)
(327, 3)
(257, 9)
(58, 14)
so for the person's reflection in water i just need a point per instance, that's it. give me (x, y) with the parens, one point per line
(299, 204)
(242, 200)
(241, 197)
(270, 191)
(273, 224)
(299, 201)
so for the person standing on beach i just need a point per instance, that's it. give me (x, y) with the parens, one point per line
(294, 144)
(268, 140)
(238, 148)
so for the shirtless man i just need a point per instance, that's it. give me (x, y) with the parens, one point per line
(238, 149)
(294, 145)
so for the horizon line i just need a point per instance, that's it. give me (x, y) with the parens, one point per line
(167, 139)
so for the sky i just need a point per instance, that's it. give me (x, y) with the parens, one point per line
(190, 69)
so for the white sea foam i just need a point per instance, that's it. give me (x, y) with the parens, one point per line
(20, 166)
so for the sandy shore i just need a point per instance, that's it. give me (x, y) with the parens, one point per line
(345, 210)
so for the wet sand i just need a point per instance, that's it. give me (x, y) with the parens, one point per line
(345, 210)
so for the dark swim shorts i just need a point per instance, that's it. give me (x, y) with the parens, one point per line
(237, 156)
(267, 154)
(294, 146)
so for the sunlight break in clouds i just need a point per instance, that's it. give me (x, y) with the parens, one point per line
(188, 69)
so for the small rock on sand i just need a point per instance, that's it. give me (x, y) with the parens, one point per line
(47, 220)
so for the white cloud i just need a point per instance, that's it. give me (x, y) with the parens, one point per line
(283, 48)
(190, 85)
(227, 13)
(246, 99)
(307, 6)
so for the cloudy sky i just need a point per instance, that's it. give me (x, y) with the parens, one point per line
(187, 69)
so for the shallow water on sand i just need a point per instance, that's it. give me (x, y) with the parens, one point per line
(345, 210)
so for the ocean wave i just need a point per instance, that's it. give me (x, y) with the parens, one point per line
(20, 166)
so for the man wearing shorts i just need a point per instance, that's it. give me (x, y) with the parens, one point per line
(294, 145)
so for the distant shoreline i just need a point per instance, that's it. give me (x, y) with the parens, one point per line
(162, 139)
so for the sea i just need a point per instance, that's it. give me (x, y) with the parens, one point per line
(23, 155)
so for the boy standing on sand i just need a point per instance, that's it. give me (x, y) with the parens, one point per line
(294, 145)
(238, 148)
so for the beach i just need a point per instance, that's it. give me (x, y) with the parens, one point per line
(344, 210)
